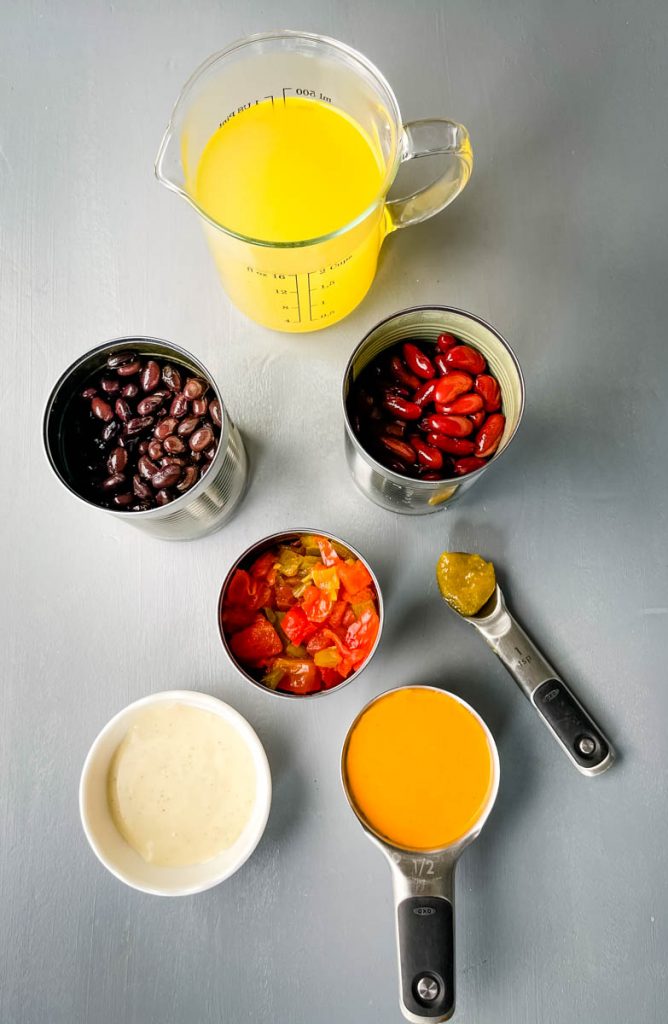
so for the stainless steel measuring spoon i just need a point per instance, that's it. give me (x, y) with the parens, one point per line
(570, 724)
(424, 899)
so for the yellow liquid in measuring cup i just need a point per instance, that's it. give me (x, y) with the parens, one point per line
(287, 172)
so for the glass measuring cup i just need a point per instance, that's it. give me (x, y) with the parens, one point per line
(306, 285)
(389, 786)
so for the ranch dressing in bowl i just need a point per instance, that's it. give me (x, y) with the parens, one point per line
(181, 785)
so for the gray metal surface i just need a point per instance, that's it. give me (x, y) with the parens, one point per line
(559, 241)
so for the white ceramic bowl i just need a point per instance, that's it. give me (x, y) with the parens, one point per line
(109, 845)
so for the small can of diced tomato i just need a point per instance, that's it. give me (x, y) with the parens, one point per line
(300, 613)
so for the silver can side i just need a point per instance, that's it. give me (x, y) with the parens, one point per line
(201, 510)
(402, 494)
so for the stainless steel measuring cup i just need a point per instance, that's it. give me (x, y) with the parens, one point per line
(201, 510)
(308, 284)
(572, 726)
(424, 897)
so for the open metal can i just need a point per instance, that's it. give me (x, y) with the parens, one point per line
(246, 559)
(399, 493)
(209, 503)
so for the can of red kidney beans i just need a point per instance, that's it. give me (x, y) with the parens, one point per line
(202, 509)
(399, 493)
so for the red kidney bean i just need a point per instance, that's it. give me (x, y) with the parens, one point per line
(440, 363)
(130, 391)
(147, 469)
(123, 410)
(109, 385)
(187, 426)
(463, 357)
(463, 466)
(431, 476)
(478, 418)
(113, 482)
(141, 489)
(451, 445)
(427, 456)
(396, 428)
(201, 439)
(209, 454)
(163, 498)
(179, 406)
(123, 500)
(129, 369)
(445, 341)
(200, 406)
(401, 408)
(453, 426)
(489, 435)
(488, 388)
(142, 447)
(154, 449)
(174, 445)
(465, 405)
(403, 451)
(150, 376)
(417, 361)
(194, 387)
(171, 377)
(172, 460)
(162, 393)
(451, 386)
(190, 474)
(214, 409)
(117, 461)
(138, 424)
(165, 477)
(148, 405)
(118, 358)
(102, 410)
(425, 393)
(400, 373)
(164, 428)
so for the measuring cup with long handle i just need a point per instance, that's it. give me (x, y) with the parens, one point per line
(311, 283)
(570, 724)
(423, 885)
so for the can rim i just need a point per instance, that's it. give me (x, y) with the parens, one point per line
(183, 499)
(257, 548)
(428, 485)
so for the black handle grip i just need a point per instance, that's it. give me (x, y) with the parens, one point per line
(585, 743)
(427, 956)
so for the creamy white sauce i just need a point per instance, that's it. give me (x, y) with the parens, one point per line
(181, 785)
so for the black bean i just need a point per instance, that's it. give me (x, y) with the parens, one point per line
(118, 358)
(166, 477)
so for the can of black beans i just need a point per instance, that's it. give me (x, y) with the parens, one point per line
(137, 428)
(378, 477)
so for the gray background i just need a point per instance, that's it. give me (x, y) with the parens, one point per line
(560, 242)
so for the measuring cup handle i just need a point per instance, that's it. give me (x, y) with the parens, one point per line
(426, 936)
(433, 138)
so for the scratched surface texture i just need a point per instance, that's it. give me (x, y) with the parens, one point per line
(560, 241)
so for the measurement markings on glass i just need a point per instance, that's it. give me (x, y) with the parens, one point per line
(290, 292)
(310, 94)
(322, 287)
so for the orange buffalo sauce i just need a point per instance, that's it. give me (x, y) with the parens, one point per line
(419, 768)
